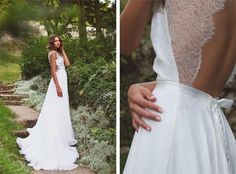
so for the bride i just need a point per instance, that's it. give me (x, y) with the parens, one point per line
(49, 145)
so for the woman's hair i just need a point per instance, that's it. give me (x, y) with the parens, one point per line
(163, 2)
(158, 4)
(51, 44)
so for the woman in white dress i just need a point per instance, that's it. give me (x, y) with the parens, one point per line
(180, 127)
(49, 145)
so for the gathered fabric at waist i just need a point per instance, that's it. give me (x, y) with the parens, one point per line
(59, 68)
(199, 95)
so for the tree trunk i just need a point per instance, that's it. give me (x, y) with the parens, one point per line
(98, 19)
(82, 21)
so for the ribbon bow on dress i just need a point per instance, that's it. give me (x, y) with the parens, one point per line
(221, 122)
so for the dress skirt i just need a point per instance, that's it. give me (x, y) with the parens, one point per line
(193, 136)
(49, 145)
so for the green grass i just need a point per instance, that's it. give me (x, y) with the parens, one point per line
(9, 68)
(11, 162)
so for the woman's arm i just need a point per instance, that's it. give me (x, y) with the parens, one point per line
(132, 24)
(53, 72)
(140, 97)
(66, 59)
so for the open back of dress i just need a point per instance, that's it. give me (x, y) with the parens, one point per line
(198, 37)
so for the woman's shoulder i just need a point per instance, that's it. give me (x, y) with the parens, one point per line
(52, 52)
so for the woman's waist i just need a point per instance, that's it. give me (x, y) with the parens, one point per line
(183, 89)
(61, 69)
(179, 89)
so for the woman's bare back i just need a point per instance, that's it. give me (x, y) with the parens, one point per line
(219, 54)
(203, 38)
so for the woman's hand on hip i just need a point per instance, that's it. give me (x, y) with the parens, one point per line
(140, 98)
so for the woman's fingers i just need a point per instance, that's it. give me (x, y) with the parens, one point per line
(144, 113)
(135, 125)
(150, 105)
(59, 93)
(140, 122)
(148, 95)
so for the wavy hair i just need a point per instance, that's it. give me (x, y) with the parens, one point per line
(51, 44)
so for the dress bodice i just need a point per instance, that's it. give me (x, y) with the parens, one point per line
(193, 39)
(59, 60)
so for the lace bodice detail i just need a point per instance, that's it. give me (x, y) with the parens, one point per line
(189, 37)
(59, 60)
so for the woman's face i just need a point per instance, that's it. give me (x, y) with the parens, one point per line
(57, 42)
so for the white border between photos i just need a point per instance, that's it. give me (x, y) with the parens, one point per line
(118, 86)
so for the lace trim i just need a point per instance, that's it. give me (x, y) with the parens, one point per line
(189, 37)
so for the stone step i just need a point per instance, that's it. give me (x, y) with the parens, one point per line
(14, 103)
(7, 92)
(24, 115)
(12, 97)
(21, 133)
(4, 87)
(29, 123)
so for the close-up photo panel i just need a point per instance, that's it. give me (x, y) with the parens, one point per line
(117, 86)
(177, 87)
(58, 86)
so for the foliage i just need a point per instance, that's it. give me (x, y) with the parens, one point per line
(64, 17)
(97, 150)
(35, 88)
(13, 19)
(11, 162)
(34, 59)
(93, 84)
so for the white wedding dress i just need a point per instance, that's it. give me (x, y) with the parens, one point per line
(50, 141)
(193, 136)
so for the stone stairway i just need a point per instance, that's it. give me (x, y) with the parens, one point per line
(8, 97)
(15, 102)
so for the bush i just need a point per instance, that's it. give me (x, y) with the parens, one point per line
(96, 139)
(34, 58)
(94, 85)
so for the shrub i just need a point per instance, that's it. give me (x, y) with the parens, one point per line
(34, 58)
(96, 139)
(93, 84)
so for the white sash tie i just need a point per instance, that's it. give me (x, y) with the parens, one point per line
(218, 114)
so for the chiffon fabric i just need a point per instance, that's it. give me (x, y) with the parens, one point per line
(49, 145)
(193, 137)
